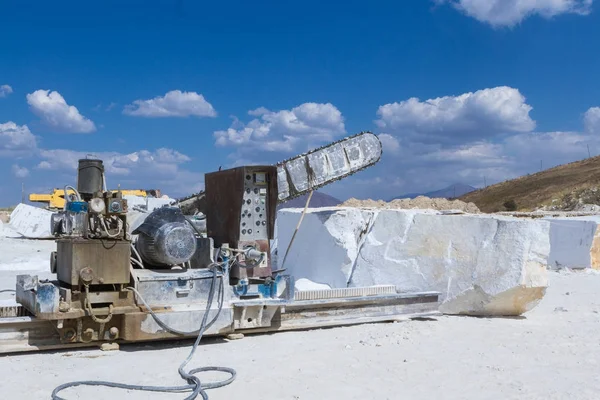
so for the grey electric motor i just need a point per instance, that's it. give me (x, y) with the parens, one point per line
(165, 238)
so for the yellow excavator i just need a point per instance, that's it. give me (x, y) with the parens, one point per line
(56, 199)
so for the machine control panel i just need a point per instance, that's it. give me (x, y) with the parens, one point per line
(253, 221)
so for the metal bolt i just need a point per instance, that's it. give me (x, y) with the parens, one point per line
(88, 335)
(86, 275)
(69, 335)
(63, 306)
(113, 332)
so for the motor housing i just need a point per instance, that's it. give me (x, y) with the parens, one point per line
(90, 177)
(165, 238)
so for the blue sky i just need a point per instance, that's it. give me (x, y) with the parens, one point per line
(165, 91)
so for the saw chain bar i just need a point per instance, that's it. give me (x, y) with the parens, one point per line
(190, 197)
(312, 170)
(319, 167)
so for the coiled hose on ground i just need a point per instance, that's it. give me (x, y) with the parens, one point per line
(194, 385)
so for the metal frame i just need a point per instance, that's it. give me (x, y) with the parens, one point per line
(19, 334)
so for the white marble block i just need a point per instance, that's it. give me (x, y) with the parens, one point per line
(481, 264)
(31, 222)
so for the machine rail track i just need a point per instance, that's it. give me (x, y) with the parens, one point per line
(29, 334)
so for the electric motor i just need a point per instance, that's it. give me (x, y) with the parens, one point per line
(165, 238)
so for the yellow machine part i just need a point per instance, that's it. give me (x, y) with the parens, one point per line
(57, 198)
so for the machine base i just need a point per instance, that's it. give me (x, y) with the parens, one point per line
(26, 333)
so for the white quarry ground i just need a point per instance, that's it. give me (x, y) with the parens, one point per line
(481, 264)
(552, 353)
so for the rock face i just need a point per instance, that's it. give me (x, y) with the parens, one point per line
(575, 242)
(481, 264)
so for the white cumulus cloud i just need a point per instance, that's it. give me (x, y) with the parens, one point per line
(511, 12)
(143, 169)
(435, 166)
(143, 161)
(20, 172)
(173, 104)
(389, 143)
(475, 139)
(285, 130)
(481, 153)
(591, 120)
(455, 119)
(16, 140)
(52, 108)
(552, 148)
(5, 90)
(431, 167)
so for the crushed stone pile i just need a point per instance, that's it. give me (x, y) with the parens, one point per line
(420, 202)
(582, 200)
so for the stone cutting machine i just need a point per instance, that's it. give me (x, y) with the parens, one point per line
(125, 279)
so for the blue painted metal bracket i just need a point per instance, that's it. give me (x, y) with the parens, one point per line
(281, 287)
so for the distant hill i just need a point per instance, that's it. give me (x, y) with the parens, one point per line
(455, 190)
(563, 184)
(318, 200)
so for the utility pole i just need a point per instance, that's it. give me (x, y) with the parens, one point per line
(589, 154)
(541, 165)
(23, 192)
(484, 182)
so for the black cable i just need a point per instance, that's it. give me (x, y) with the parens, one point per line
(194, 227)
(194, 384)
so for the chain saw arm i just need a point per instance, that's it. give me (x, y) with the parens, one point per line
(312, 170)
